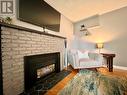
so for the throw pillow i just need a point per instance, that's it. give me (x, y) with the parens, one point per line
(82, 55)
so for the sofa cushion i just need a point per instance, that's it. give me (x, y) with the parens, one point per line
(85, 60)
(82, 55)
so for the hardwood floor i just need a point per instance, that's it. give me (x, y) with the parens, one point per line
(61, 84)
(116, 72)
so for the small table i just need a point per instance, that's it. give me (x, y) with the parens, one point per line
(109, 58)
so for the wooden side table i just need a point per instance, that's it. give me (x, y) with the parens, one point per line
(109, 58)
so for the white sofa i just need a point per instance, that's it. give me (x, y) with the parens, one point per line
(95, 60)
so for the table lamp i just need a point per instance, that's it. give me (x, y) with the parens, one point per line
(100, 46)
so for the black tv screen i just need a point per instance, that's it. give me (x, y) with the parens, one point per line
(39, 13)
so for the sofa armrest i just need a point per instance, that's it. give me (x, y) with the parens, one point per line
(73, 58)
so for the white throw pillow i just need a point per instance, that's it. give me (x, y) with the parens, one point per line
(83, 54)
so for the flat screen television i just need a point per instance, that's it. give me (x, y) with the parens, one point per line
(39, 13)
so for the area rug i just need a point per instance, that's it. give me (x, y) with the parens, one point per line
(88, 82)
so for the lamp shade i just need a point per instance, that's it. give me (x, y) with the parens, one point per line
(100, 45)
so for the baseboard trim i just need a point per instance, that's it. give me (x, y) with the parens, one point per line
(120, 67)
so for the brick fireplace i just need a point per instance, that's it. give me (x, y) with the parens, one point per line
(18, 42)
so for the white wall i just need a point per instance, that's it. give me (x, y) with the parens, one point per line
(66, 29)
(112, 32)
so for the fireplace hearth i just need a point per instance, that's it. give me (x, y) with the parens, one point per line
(39, 68)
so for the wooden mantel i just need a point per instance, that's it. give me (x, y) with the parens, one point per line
(28, 30)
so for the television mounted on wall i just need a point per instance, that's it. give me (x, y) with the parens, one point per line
(39, 13)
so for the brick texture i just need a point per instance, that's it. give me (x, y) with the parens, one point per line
(15, 45)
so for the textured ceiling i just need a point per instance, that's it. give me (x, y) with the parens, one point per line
(76, 10)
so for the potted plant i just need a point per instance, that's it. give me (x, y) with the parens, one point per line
(8, 20)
